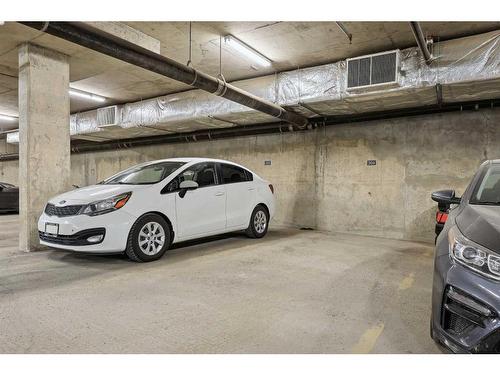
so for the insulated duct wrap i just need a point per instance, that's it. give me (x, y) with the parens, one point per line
(82, 123)
(466, 69)
(13, 137)
(194, 109)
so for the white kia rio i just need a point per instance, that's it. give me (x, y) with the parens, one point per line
(144, 209)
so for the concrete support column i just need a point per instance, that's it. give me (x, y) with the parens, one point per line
(44, 142)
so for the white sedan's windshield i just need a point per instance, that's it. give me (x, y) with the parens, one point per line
(146, 174)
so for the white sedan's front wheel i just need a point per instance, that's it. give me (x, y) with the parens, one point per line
(149, 238)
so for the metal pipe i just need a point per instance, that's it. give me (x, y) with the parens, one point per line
(419, 37)
(276, 127)
(198, 135)
(7, 157)
(345, 31)
(97, 40)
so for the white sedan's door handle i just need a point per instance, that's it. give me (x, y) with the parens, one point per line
(219, 193)
(251, 188)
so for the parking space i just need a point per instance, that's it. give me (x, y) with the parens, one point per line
(291, 292)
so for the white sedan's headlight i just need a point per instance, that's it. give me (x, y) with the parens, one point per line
(473, 255)
(106, 205)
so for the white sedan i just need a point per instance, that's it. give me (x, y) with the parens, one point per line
(144, 209)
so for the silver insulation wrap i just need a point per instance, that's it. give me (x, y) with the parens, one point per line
(317, 91)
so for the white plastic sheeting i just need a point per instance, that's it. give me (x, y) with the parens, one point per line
(467, 69)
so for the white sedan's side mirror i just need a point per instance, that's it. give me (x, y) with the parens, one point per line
(187, 185)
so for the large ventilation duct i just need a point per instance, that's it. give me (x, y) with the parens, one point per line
(105, 43)
(464, 70)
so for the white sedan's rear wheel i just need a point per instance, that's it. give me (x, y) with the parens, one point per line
(149, 238)
(259, 222)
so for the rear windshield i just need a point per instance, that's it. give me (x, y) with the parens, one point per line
(487, 190)
(145, 174)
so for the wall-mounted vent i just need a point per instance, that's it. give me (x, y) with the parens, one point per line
(107, 116)
(373, 70)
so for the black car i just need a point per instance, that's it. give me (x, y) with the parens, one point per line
(9, 197)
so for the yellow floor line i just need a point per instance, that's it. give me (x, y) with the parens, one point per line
(407, 282)
(368, 339)
(429, 253)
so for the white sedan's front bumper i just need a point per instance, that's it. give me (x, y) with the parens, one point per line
(116, 224)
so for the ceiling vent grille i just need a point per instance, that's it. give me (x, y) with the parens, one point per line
(373, 70)
(107, 116)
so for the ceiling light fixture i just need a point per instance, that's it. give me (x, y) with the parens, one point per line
(87, 95)
(7, 118)
(246, 50)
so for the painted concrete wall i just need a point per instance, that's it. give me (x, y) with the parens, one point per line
(322, 179)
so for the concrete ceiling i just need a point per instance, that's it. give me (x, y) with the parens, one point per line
(288, 44)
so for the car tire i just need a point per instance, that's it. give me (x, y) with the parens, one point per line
(149, 238)
(259, 222)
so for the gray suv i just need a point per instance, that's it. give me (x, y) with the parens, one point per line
(466, 288)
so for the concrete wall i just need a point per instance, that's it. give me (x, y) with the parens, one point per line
(322, 179)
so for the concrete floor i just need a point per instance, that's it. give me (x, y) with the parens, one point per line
(291, 292)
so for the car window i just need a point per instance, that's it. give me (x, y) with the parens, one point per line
(201, 173)
(488, 188)
(249, 175)
(144, 174)
(232, 174)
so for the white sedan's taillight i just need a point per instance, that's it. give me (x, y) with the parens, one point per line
(271, 188)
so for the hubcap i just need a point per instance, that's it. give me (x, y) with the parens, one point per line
(151, 238)
(259, 222)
